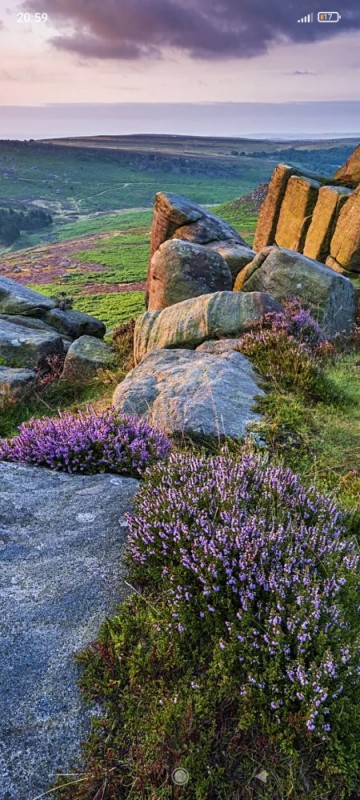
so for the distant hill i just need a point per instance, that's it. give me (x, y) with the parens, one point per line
(350, 172)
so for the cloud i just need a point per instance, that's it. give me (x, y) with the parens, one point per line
(207, 29)
(302, 72)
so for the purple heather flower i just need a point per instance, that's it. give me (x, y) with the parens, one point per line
(88, 442)
(243, 552)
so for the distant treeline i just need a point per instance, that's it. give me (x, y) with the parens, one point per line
(324, 161)
(13, 222)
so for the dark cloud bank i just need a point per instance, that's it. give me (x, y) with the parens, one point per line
(208, 29)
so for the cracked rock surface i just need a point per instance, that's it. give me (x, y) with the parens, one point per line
(61, 552)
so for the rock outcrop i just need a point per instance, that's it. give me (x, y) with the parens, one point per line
(176, 271)
(350, 172)
(33, 329)
(61, 544)
(180, 270)
(211, 316)
(200, 395)
(345, 243)
(320, 219)
(295, 213)
(283, 273)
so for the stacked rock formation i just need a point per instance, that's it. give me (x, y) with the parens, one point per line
(192, 253)
(33, 329)
(205, 288)
(318, 218)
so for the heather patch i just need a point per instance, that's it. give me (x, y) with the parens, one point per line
(290, 350)
(87, 442)
(238, 655)
(259, 562)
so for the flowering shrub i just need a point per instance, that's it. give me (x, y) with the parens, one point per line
(247, 559)
(297, 322)
(88, 442)
(290, 349)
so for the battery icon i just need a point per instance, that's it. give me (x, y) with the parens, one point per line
(329, 16)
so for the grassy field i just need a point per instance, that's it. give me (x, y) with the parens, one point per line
(94, 223)
(103, 268)
(87, 184)
(74, 181)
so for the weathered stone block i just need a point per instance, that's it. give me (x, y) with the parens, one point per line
(237, 256)
(330, 201)
(85, 357)
(180, 270)
(192, 322)
(296, 211)
(18, 299)
(27, 347)
(345, 243)
(270, 209)
(194, 394)
(283, 274)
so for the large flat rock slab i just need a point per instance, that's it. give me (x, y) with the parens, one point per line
(201, 395)
(61, 574)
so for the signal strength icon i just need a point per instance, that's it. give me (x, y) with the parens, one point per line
(308, 18)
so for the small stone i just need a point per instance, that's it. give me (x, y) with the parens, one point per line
(86, 517)
(85, 357)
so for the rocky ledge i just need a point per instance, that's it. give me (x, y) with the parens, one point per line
(61, 546)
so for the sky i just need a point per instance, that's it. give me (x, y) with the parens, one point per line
(119, 66)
